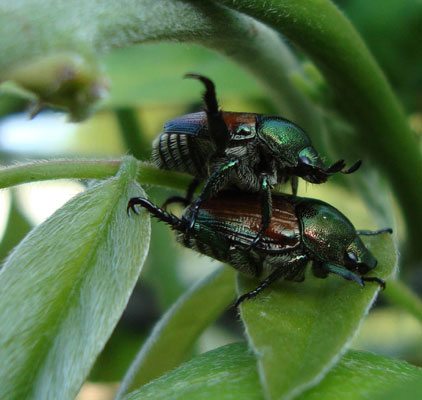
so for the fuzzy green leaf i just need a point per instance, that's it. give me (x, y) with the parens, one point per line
(230, 373)
(299, 330)
(225, 373)
(65, 286)
(177, 331)
(412, 388)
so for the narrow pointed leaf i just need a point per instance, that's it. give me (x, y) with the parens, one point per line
(299, 330)
(230, 373)
(65, 286)
(177, 331)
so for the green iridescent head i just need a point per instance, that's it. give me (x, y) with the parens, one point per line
(332, 238)
(287, 142)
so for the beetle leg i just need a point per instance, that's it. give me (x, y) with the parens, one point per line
(217, 180)
(266, 210)
(162, 215)
(280, 272)
(373, 233)
(191, 190)
(174, 199)
(184, 200)
(216, 124)
(275, 276)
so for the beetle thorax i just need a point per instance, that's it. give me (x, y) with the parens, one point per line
(252, 163)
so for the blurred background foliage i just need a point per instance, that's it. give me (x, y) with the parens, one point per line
(146, 89)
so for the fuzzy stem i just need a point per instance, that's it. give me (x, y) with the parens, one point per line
(87, 169)
(132, 133)
(399, 294)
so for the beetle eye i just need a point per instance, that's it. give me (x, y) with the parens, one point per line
(305, 160)
(352, 257)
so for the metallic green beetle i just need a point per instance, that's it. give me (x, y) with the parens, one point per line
(249, 151)
(301, 231)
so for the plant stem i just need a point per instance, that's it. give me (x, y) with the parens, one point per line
(82, 30)
(87, 169)
(132, 133)
(364, 96)
(399, 294)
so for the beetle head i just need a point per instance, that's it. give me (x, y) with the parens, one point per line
(331, 237)
(292, 149)
(286, 142)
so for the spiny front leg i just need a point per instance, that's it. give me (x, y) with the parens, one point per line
(157, 212)
(217, 127)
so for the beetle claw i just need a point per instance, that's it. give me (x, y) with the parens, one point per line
(131, 206)
(242, 298)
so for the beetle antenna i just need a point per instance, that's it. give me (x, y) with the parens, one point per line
(374, 233)
(336, 167)
(339, 165)
(353, 168)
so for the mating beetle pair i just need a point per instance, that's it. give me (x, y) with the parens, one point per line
(258, 233)
(251, 152)
(301, 230)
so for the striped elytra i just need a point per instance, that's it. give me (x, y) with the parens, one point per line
(238, 218)
(184, 153)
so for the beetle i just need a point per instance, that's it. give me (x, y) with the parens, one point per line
(252, 152)
(301, 230)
